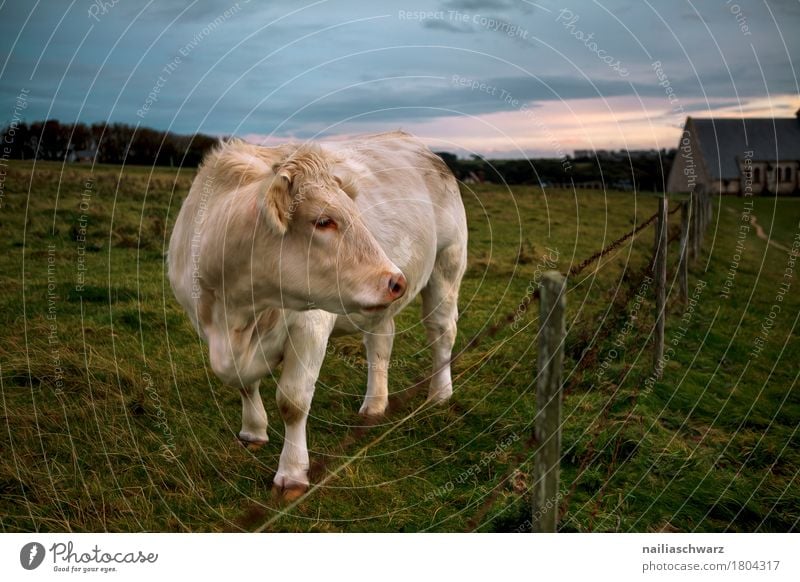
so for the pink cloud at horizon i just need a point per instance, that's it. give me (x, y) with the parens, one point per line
(556, 128)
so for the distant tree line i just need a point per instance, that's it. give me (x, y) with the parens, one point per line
(115, 143)
(646, 171)
(111, 143)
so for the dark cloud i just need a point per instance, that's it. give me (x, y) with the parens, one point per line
(480, 4)
(197, 11)
(447, 25)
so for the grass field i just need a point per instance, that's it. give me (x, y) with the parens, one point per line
(113, 421)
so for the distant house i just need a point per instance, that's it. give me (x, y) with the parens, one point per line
(731, 156)
(87, 155)
(84, 155)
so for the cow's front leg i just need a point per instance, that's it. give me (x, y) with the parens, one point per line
(378, 343)
(303, 356)
(254, 418)
(230, 353)
(241, 351)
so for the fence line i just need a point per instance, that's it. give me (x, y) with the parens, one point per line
(549, 389)
(695, 217)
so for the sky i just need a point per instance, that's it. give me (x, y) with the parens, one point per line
(497, 78)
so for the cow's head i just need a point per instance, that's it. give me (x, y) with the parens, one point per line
(325, 258)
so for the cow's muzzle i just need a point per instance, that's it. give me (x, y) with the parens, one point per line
(396, 286)
(393, 287)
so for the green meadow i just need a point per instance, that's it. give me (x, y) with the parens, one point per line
(113, 420)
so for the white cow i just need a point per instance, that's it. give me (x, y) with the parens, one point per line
(275, 249)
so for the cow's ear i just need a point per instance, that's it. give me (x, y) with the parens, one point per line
(346, 181)
(277, 200)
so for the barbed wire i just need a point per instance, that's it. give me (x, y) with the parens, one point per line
(600, 254)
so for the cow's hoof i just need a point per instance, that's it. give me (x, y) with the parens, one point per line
(251, 442)
(288, 495)
(372, 411)
(439, 396)
(288, 489)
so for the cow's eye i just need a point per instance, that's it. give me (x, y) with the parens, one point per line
(325, 223)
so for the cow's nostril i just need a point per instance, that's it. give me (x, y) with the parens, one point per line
(397, 286)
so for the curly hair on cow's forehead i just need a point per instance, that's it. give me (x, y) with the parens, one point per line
(309, 161)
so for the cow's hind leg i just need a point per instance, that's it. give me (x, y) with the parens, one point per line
(440, 312)
(378, 343)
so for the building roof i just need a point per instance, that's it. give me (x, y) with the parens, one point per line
(724, 141)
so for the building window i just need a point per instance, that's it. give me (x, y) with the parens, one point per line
(787, 174)
(757, 175)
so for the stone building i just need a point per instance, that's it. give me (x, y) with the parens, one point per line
(727, 156)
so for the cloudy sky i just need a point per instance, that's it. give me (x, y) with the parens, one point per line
(495, 77)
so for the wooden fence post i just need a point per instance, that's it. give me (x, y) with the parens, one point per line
(547, 426)
(683, 264)
(710, 208)
(699, 225)
(693, 229)
(703, 222)
(660, 268)
(702, 214)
